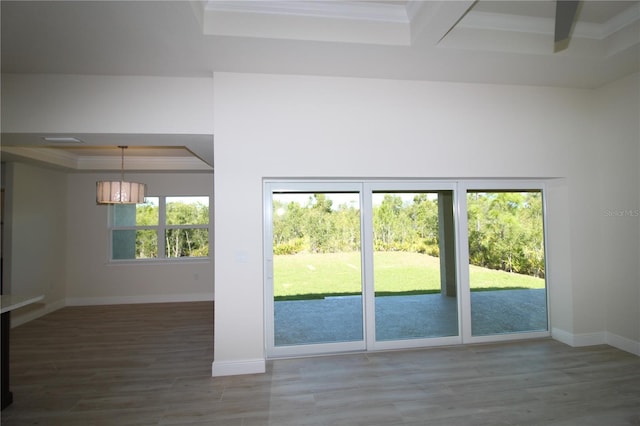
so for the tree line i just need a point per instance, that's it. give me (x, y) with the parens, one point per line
(505, 228)
(180, 240)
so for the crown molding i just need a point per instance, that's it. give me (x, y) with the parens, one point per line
(353, 10)
(53, 157)
(140, 163)
(621, 21)
(63, 159)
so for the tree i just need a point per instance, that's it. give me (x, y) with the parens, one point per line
(184, 240)
(505, 228)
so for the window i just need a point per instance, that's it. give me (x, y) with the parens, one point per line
(161, 228)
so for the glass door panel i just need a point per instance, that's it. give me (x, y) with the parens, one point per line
(414, 265)
(506, 262)
(317, 278)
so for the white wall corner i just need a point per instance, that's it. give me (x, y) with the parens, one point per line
(623, 343)
(234, 368)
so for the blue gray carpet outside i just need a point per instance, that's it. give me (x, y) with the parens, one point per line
(339, 319)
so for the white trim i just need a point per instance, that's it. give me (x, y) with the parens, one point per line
(495, 338)
(297, 186)
(233, 368)
(598, 338)
(562, 336)
(129, 300)
(579, 340)
(623, 343)
(160, 228)
(141, 163)
(366, 260)
(51, 156)
(92, 163)
(618, 22)
(462, 262)
(406, 344)
(489, 185)
(384, 12)
(369, 188)
(589, 339)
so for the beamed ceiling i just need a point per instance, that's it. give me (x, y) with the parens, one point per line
(484, 41)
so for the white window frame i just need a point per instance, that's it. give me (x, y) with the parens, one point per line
(160, 233)
(301, 186)
(514, 185)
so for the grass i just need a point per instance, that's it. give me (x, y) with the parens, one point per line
(309, 276)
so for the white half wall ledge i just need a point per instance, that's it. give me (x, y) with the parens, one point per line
(41, 309)
(239, 367)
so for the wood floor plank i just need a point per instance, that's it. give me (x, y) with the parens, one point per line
(144, 365)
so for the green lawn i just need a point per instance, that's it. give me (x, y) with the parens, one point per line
(318, 275)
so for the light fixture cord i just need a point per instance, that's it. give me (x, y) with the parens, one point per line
(122, 169)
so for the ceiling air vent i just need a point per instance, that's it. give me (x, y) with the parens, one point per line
(62, 140)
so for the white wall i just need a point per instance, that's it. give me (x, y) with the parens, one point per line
(92, 279)
(36, 201)
(295, 126)
(106, 104)
(618, 140)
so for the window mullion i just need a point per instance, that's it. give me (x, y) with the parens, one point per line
(162, 223)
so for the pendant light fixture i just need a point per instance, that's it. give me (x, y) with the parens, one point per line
(120, 192)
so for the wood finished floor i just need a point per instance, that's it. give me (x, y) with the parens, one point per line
(150, 365)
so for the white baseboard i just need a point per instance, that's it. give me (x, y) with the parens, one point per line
(623, 343)
(127, 300)
(577, 340)
(600, 338)
(234, 368)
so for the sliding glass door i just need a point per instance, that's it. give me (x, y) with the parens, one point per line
(414, 267)
(317, 294)
(374, 265)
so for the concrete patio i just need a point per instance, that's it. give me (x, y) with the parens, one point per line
(339, 319)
